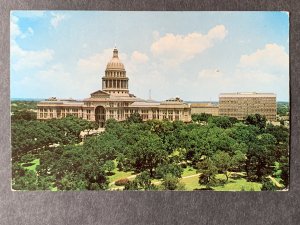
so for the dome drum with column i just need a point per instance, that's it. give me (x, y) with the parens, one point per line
(115, 80)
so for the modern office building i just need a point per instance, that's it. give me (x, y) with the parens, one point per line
(242, 104)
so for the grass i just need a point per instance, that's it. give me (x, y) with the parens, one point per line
(233, 184)
(32, 167)
(188, 171)
(237, 183)
(117, 175)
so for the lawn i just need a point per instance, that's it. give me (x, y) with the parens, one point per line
(188, 171)
(117, 174)
(237, 183)
(32, 165)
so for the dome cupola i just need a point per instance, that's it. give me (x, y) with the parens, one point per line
(115, 63)
(115, 80)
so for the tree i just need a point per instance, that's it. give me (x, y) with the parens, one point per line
(260, 157)
(24, 179)
(221, 121)
(283, 108)
(267, 185)
(74, 168)
(147, 153)
(23, 115)
(165, 169)
(131, 185)
(208, 172)
(201, 117)
(135, 118)
(281, 133)
(223, 162)
(109, 166)
(104, 147)
(27, 158)
(256, 120)
(141, 182)
(171, 182)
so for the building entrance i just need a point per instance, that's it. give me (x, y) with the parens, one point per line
(100, 116)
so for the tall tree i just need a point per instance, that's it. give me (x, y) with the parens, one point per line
(147, 153)
(256, 120)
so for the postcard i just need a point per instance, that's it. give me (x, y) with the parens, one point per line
(150, 100)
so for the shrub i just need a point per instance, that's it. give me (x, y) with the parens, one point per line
(267, 185)
(183, 165)
(122, 182)
(27, 158)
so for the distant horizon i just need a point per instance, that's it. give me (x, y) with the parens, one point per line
(187, 101)
(193, 55)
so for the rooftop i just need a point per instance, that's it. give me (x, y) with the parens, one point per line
(247, 94)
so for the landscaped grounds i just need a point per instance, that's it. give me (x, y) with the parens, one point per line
(210, 153)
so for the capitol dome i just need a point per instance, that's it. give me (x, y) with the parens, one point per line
(115, 63)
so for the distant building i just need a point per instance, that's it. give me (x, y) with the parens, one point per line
(242, 104)
(114, 101)
(208, 108)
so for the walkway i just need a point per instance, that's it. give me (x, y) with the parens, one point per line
(156, 182)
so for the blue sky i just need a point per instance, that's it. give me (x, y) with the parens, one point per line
(193, 55)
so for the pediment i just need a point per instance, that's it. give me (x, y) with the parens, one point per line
(100, 94)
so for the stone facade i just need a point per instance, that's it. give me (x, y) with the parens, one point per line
(240, 105)
(208, 108)
(114, 101)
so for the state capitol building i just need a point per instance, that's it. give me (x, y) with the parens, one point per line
(115, 102)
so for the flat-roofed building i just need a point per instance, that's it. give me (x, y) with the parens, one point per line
(242, 104)
(205, 107)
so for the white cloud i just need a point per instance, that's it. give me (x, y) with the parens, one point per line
(95, 63)
(30, 30)
(139, 57)
(56, 19)
(26, 59)
(14, 28)
(155, 35)
(272, 58)
(175, 49)
(57, 82)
